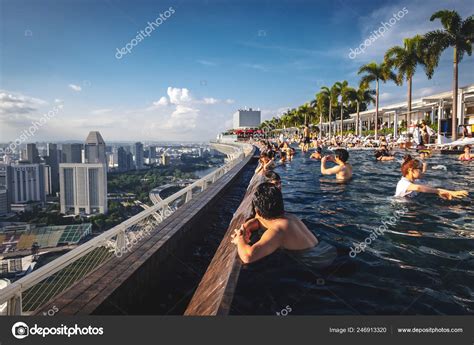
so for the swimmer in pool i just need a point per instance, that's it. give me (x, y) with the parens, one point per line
(466, 156)
(424, 155)
(273, 178)
(412, 171)
(384, 154)
(282, 230)
(316, 154)
(343, 169)
(266, 163)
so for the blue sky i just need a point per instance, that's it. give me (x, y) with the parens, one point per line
(203, 62)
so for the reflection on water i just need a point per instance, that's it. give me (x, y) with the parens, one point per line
(423, 264)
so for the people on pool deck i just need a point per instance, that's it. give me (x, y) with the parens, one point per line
(384, 154)
(466, 156)
(342, 170)
(266, 163)
(316, 154)
(281, 229)
(412, 171)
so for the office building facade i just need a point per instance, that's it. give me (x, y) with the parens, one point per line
(83, 188)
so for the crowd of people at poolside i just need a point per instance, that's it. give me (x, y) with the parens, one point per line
(282, 230)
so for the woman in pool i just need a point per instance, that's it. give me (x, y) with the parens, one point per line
(266, 163)
(466, 156)
(412, 170)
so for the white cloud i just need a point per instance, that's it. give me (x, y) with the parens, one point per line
(57, 100)
(74, 87)
(11, 103)
(178, 96)
(230, 101)
(210, 100)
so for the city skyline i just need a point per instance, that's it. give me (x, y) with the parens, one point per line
(174, 87)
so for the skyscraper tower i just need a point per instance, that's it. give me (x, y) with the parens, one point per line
(94, 149)
(32, 153)
(138, 153)
(53, 161)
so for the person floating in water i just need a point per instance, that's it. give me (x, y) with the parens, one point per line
(316, 154)
(281, 229)
(466, 156)
(412, 170)
(343, 169)
(384, 154)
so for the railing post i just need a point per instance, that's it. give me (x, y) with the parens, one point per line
(204, 185)
(189, 196)
(121, 240)
(15, 305)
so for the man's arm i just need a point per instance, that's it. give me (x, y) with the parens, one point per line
(268, 243)
(329, 171)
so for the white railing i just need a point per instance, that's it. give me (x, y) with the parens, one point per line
(39, 287)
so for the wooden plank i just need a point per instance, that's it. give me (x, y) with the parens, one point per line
(215, 291)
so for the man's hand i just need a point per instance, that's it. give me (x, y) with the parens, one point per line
(237, 236)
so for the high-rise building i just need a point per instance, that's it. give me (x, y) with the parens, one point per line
(125, 159)
(32, 155)
(247, 118)
(138, 153)
(28, 183)
(52, 159)
(83, 188)
(6, 181)
(71, 153)
(94, 149)
(152, 152)
(4, 204)
(165, 159)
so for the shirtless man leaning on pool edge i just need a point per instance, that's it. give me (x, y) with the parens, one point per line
(282, 230)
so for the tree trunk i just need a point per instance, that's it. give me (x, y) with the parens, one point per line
(358, 120)
(408, 117)
(376, 108)
(320, 125)
(455, 95)
(330, 118)
(342, 116)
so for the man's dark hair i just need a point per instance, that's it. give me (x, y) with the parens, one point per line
(319, 150)
(268, 201)
(272, 176)
(342, 154)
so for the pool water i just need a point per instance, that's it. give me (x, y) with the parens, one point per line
(423, 263)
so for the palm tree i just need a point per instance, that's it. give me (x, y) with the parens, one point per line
(328, 94)
(362, 97)
(376, 72)
(458, 34)
(344, 91)
(405, 59)
(322, 103)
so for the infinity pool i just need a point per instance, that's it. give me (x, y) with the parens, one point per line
(423, 263)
